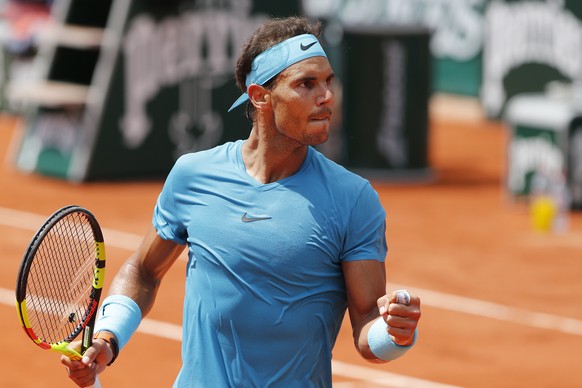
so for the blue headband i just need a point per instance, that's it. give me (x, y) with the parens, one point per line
(274, 60)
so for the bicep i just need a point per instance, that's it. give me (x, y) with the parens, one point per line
(155, 255)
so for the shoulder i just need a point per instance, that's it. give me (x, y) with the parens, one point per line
(336, 173)
(202, 160)
(219, 151)
(344, 186)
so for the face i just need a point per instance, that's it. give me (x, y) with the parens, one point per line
(302, 101)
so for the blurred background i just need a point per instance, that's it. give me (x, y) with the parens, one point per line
(119, 89)
(466, 115)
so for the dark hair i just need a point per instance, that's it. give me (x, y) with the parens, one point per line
(269, 34)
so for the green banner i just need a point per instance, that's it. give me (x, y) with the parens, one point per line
(158, 86)
(457, 32)
(174, 82)
(528, 45)
(531, 151)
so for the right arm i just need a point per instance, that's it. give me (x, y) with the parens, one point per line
(139, 278)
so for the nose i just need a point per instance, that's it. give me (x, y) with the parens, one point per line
(326, 97)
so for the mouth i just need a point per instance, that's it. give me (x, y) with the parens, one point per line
(324, 116)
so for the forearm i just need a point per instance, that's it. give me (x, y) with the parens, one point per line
(134, 283)
(134, 288)
(131, 296)
(140, 276)
(361, 340)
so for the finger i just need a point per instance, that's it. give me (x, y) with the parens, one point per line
(66, 361)
(400, 322)
(401, 329)
(401, 336)
(101, 354)
(91, 354)
(84, 376)
(409, 312)
(399, 304)
(90, 381)
(383, 303)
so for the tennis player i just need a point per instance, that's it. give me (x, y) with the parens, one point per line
(281, 241)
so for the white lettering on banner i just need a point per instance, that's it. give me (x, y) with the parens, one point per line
(457, 24)
(140, 81)
(202, 43)
(527, 32)
(390, 140)
(532, 154)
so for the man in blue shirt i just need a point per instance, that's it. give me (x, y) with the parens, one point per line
(281, 240)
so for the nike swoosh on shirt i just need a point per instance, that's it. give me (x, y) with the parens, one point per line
(306, 46)
(246, 218)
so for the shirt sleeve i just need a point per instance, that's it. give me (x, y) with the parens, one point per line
(166, 217)
(366, 236)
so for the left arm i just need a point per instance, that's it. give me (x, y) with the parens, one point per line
(367, 300)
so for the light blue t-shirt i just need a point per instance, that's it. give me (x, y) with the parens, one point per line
(265, 295)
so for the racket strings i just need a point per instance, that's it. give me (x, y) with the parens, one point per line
(59, 296)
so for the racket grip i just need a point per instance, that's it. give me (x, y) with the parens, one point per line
(96, 384)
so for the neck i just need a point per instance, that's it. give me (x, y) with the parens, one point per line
(270, 158)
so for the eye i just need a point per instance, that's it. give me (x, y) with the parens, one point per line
(329, 80)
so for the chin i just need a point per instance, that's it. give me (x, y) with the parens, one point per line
(318, 139)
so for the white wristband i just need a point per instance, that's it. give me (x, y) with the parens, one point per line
(119, 315)
(381, 343)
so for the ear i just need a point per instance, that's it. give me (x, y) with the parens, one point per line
(258, 95)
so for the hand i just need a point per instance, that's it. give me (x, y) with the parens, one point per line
(94, 361)
(402, 319)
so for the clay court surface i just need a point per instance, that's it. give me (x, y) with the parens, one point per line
(501, 303)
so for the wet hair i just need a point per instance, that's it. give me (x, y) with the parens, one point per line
(269, 34)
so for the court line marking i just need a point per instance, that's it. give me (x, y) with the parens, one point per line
(380, 378)
(497, 311)
(173, 332)
(29, 221)
(118, 239)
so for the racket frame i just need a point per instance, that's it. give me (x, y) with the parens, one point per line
(88, 321)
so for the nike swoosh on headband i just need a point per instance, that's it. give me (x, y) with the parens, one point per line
(307, 46)
(274, 60)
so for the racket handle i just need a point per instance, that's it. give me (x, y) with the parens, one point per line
(96, 384)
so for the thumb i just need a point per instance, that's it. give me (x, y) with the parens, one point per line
(383, 303)
(91, 354)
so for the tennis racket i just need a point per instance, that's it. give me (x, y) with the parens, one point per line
(60, 281)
